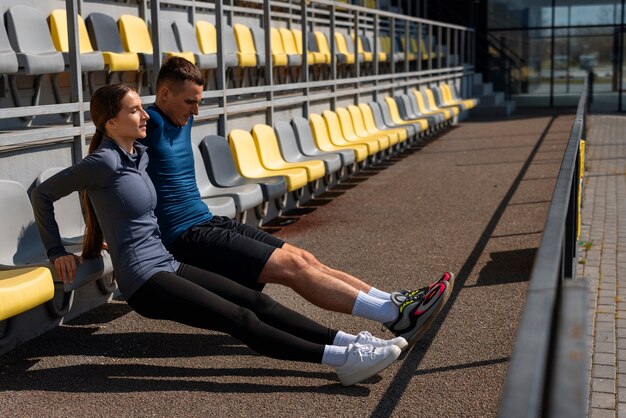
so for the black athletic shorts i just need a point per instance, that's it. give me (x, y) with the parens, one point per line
(226, 247)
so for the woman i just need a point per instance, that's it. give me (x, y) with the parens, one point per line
(119, 200)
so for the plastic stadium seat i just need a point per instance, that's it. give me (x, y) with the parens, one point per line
(21, 245)
(169, 45)
(106, 38)
(439, 117)
(426, 110)
(279, 56)
(271, 158)
(223, 173)
(337, 137)
(358, 124)
(380, 143)
(218, 200)
(385, 43)
(23, 289)
(31, 41)
(324, 48)
(368, 45)
(247, 53)
(68, 212)
(292, 153)
(401, 46)
(313, 57)
(258, 35)
(187, 41)
(249, 164)
(306, 143)
(136, 38)
(384, 122)
(434, 104)
(370, 124)
(407, 113)
(206, 37)
(392, 110)
(367, 56)
(321, 57)
(342, 47)
(449, 94)
(90, 60)
(8, 59)
(30, 38)
(289, 45)
(324, 143)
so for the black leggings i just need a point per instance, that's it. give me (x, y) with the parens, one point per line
(203, 299)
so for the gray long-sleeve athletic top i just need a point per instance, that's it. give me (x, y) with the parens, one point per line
(123, 198)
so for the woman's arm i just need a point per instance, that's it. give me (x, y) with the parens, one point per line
(90, 172)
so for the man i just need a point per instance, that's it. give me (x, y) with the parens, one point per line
(243, 253)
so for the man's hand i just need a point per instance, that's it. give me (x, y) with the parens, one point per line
(66, 267)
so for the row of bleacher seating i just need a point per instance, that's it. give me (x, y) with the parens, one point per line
(264, 171)
(30, 46)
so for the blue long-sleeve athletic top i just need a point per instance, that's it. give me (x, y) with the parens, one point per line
(123, 198)
(172, 171)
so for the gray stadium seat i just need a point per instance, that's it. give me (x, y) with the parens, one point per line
(8, 59)
(230, 47)
(407, 112)
(219, 203)
(384, 109)
(293, 154)
(258, 34)
(105, 37)
(21, 244)
(68, 212)
(187, 41)
(381, 123)
(438, 117)
(306, 142)
(223, 173)
(30, 38)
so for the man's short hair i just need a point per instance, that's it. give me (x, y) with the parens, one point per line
(176, 71)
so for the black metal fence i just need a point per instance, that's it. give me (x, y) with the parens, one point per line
(548, 371)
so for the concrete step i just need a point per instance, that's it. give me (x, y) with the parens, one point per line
(478, 79)
(493, 99)
(503, 109)
(483, 89)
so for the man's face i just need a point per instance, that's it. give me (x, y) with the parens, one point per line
(180, 102)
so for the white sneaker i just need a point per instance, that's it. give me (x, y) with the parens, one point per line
(364, 361)
(364, 338)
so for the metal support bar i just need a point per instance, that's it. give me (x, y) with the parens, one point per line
(76, 80)
(222, 120)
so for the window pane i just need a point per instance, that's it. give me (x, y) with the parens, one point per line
(519, 14)
(570, 13)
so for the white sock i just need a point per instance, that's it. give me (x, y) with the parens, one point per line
(334, 355)
(379, 294)
(344, 339)
(369, 307)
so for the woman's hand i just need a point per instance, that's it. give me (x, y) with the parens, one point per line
(66, 267)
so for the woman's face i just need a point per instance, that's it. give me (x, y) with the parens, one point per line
(130, 122)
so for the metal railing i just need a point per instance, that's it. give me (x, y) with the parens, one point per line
(297, 14)
(548, 372)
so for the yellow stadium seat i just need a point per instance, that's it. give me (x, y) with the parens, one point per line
(347, 128)
(249, 164)
(358, 123)
(432, 103)
(337, 137)
(135, 34)
(58, 30)
(421, 105)
(23, 289)
(269, 152)
(370, 124)
(279, 56)
(322, 44)
(207, 37)
(448, 95)
(323, 142)
(342, 48)
(313, 57)
(290, 46)
(367, 56)
(246, 54)
(395, 115)
(411, 55)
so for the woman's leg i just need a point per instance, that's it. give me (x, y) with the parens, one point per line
(169, 296)
(264, 307)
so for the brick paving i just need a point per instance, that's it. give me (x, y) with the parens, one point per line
(602, 262)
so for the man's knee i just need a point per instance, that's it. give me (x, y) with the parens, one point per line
(283, 266)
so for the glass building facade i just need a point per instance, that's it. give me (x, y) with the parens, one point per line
(540, 50)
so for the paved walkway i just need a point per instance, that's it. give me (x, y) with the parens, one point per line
(473, 200)
(602, 258)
